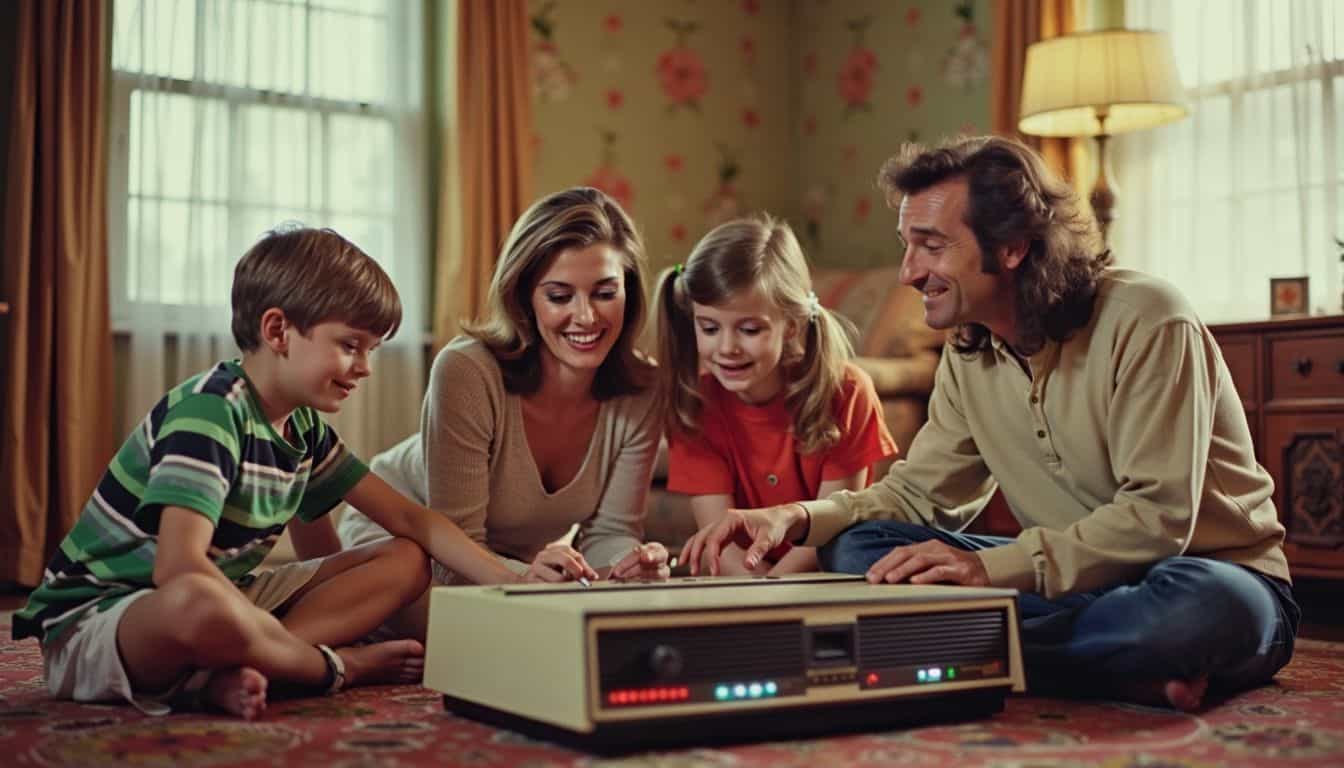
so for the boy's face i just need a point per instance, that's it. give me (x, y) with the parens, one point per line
(741, 342)
(579, 303)
(324, 366)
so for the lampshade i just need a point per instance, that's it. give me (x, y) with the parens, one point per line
(1126, 76)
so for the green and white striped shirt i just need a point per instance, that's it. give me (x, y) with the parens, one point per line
(206, 446)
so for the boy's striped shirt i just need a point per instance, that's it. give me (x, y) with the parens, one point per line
(207, 446)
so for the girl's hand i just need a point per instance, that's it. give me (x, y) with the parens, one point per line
(559, 562)
(647, 561)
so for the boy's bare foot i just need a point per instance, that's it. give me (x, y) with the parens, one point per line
(1186, 695)
(395, 661)
(240, 691)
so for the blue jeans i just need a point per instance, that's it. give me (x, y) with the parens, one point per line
(1188, 617)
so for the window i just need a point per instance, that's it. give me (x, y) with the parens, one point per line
(1248, 187)
(231, 116)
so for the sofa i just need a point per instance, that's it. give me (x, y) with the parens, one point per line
(893, 346)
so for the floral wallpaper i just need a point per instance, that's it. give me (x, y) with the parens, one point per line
(875, 73)
(691, 112)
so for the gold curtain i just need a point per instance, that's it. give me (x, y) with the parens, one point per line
(486, 174)
(57, 369)
(1018, 24)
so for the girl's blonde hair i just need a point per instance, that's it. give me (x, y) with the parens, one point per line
(759, 253)
(573, 218)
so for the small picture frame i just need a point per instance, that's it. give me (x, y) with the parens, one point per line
(1288, 296)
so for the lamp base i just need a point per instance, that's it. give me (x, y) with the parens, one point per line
(1102, 198)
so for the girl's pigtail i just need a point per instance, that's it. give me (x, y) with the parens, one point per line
(678, 369)
(817, 378)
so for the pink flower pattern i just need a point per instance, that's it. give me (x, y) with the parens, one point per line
(855, 80)
(681, 73)
(608, 178)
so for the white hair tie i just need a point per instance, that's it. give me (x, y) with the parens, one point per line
(813, 306)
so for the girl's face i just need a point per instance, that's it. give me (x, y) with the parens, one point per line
(579, 303)
(741, 341)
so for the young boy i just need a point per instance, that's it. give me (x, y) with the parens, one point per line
(152, 593)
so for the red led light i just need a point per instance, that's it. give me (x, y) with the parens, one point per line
(649, 695)
(871, 679)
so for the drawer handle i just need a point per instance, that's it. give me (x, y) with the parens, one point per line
(1303, 365)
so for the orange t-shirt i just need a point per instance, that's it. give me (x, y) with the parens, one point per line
(748, 451)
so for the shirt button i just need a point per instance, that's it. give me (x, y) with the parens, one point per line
(771, 479)
(1040, 433)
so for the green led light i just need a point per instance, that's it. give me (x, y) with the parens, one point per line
(721, 692)
(755, 690)
(771, 689)
(951, 673)
(921, 675)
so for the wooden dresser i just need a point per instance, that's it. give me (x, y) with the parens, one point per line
(1290, 375)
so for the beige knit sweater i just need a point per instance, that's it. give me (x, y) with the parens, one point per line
(471, 461)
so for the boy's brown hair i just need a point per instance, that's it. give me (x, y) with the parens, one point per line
(313, 276)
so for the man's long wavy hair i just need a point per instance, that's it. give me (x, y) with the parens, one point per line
(1014, 198)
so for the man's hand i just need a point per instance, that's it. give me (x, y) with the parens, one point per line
(559, 562)
(930, 562)
(756, 530)
(647, 561)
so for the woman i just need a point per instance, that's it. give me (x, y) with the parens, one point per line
(542, 416)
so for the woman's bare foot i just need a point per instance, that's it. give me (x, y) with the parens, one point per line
(395, 661)
(1186, 695)
(240, 691)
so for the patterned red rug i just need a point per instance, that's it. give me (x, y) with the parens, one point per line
(1297, 722)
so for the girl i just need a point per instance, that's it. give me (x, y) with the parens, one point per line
(764, 407)
(542, 416)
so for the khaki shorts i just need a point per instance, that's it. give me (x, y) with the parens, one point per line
(84, 664)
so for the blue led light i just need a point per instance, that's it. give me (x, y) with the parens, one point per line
(770, 688)
(921, 675)
(935, 674)
(740, 691)
(721, 692)
(755, 690)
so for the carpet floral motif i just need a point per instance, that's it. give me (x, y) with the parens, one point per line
(1298, 722)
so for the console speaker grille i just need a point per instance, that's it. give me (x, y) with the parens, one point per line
(725, 652)
(956, 637)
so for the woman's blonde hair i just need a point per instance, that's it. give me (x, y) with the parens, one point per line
(758, 253)
(574, 218)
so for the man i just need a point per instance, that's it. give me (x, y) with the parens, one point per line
(1151, 562)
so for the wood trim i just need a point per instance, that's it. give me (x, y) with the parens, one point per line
(1285, 324)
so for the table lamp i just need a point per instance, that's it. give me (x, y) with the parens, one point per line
(1099, 84)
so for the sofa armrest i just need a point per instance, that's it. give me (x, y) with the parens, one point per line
(894, 376)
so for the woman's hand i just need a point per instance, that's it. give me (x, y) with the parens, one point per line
(646, 561)
(560, 562)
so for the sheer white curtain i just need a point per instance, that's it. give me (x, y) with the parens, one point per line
(1248, 187)
(232, 116)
